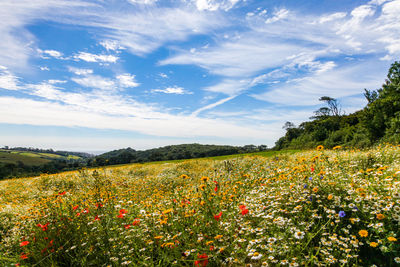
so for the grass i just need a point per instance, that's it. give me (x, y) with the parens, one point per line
(308, 208)
(14, 158)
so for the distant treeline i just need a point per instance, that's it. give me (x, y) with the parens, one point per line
(19, 169)
(378, 122)
(185, 151)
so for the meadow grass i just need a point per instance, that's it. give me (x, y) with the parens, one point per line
(310, 208)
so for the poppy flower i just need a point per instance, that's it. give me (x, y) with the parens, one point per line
(23, 256)
(75, 207)
(136, 222)
(202, 260)
(44, 227)
(62, 193)
(24, 243)
(97, 218)
(218, 216)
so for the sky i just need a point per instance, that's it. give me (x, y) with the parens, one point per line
(94, 76)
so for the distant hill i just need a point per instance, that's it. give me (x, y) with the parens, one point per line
(20, 161)
(173, 152)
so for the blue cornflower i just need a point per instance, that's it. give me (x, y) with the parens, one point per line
(310, 178)
(305, 186)
(342, 214)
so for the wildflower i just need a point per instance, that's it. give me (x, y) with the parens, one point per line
(330, 197)
(299, 235)
(256, 256)
(373, 244)
(62, 193)
(136, 222)
(204, 179)
(342, 214)
(202, 260)
(75, 207)
(44, 227)
(336, 147)
(24, 243)
(122, 213)
(97, 218)
(23, 256)
(392, 239)
(397, 259)
(363, 233)
(218, 216)
(320, 147)
(380, 216)
(315, 189)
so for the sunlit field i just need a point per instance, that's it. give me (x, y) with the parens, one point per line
(314, 208)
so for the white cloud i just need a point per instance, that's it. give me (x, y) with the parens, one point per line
(332, 17)
(7, 80)
(337, 83)
(213, 5)
(79, 71)
(15, 110)
(163, 75)
(127, 80)
(143, 2)
(51, 53)
(95, 81)
(172, 90)
(213, 105)
(111, 45)
(278, 15)
(89, 57)
(44, 68)
(56, 81)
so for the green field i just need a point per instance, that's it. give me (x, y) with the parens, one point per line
(30, 158)
(14, 158)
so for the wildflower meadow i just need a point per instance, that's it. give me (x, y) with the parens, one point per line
(337, 207)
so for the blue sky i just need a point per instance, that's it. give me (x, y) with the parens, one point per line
(101, 75)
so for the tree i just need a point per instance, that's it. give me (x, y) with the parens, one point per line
(288, 125)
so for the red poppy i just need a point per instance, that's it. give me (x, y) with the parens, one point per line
(44, 227)
(245, 211)
(62, 193)
(99, 205)
(202, 260)
(97, 218)
(75, 207)
(23, 256)
(127, 226)
(218, 216)
(136, 222)
(122, 213)
(242, 207)
(86, 211)
(24, 243)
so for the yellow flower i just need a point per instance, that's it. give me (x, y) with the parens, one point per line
(168, 211)
(315, 189)
(330, 197)
(218, 236)
(380, 216)
(373, 244)
(392, 239)
(320, 147)
(363, 233)
(204, 178)
(158, 237)
(337, 147)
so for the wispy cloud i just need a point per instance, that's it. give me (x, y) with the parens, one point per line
(89, 57)
(172, 90)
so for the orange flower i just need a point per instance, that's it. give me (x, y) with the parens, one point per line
(392, 239)
(315, 189)
(373, 244)
(380, 216)
(363, 233)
